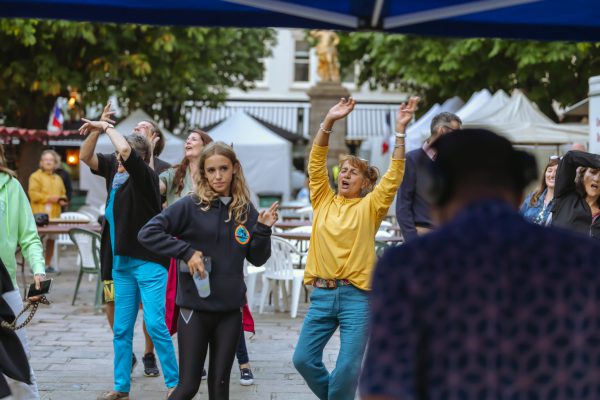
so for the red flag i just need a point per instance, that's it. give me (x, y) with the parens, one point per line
(385, 147)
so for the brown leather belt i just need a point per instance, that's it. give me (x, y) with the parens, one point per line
(330, 283)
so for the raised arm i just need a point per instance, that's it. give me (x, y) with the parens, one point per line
(118, 141)
(87, 152)
(567, 170)
(317, 162)
(383, 194)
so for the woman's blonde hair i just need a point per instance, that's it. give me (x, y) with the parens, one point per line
(240, 194)
(369, 172)
(4, 164)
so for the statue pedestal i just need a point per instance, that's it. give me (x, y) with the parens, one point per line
(323, 96)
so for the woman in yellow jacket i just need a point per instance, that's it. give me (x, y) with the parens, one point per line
(342, 255)
(47, 194)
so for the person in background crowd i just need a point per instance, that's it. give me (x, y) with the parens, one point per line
(178, 181)
(579, 146)
(412, 207)
(153, 134)
(220, 224)
(488, 306)
(342, 254)
(18, 230)
(133, 198)
(304, 193)
(577, 193)
(47, 194)
(538, 205)
(64, 175)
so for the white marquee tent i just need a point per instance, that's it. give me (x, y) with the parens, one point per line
(266, 158)
(95, 185)
(523, 123)
(477, 100)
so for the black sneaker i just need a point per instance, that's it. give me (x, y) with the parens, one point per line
(246, 377)
(133, 362)
(51, 270)
(150, 367)
(204, 374)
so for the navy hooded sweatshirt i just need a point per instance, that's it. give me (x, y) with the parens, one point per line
(184, 227)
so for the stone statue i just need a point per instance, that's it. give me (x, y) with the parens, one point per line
(328, 68)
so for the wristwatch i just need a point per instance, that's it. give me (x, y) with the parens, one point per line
(109, 125)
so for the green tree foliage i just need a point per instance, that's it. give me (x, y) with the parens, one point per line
(440, 68)
(156, 68)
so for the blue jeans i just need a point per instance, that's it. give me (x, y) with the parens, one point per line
(348, 308)
(149, 281)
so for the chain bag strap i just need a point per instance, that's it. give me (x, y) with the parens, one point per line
(33, 305)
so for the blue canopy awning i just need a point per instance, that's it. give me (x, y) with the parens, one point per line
(577, 20)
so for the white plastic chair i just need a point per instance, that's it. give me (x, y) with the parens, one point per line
(301, 245)
(64, 239)
(88, 247)
(279, 271)
(305, 213)
(251, 272)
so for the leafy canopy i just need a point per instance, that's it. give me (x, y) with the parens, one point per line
(439, 68)
(156, 68)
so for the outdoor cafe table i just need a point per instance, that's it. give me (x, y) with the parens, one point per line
(61, 221)
(293, 205)
(289, 224)
(306, 236)
(60, 229)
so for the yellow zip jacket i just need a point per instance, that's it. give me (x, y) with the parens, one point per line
(342, 244)
(43, 185)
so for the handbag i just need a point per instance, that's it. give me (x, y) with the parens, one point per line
(41, 219)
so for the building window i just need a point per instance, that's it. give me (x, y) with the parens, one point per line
(301, 61)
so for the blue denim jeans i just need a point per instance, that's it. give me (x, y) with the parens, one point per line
(348, 308)
(148, 281)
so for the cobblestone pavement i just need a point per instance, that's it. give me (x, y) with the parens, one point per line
(72, 353)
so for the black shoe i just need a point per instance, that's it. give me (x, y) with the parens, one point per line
(150, 367)
(204, 374)
(51, 270)
(133, 362)
(246, 377)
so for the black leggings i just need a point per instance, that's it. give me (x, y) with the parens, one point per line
(218, 330)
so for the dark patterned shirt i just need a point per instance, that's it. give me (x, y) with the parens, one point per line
(487, 307)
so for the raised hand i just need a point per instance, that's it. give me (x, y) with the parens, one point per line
(406, 113)
(107, 113)
(270, 216)
(92, 126)
(341, 109)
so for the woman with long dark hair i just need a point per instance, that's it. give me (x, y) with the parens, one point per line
(577, 193)
(538, 204)
(219, 225)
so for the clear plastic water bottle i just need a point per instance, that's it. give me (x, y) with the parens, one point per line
(203, 285)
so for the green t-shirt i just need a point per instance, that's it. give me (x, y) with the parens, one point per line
(167, 178)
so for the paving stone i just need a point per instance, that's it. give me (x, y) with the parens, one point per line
(72, 350)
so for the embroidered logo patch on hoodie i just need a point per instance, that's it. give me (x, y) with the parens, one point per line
(242, 236)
